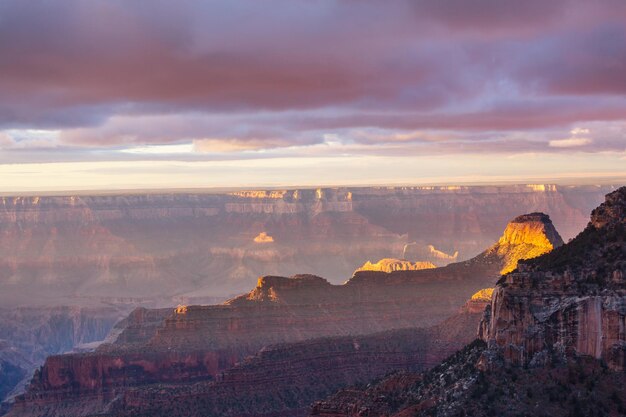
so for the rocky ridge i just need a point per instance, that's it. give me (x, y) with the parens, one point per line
(556, 322)
(569, 302)
(80, 248)
(284, 379)
(201, 342)
(394, 264)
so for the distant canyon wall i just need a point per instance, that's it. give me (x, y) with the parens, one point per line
(192, 247)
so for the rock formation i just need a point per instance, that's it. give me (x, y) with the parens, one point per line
(199, 343)
(552, 341)
(29, 335)
(525, 237)
(152, 247)
(429, 253)
(393, 264)
(263, 238)
(569, 302)
(477, 303)
(282, 379)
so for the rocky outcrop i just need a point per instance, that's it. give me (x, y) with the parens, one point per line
(429, 253)
(552, 341)
(201, 342)
(156, 246)
(583, 387)
(393, 264)
(29, 335)
(479, 301)
(284, 379)
(525, 237)
(569, 302)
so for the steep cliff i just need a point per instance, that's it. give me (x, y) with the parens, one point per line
(553, 341)
(152, 247)
(284, 379)
(201, 342)
(29, 335)
(569, 302)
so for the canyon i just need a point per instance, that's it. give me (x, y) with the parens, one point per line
(285, 379)
(30, 335)
(99, 257)
(163, 249)
(551, 341)
(569, 302)
(203, 343)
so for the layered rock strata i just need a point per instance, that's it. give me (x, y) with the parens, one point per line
(201, 342)
(146, 247)
(278, 380)
(551, 342)
(393, 264)
(569, 302)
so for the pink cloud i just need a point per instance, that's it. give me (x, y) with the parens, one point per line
(248, 75)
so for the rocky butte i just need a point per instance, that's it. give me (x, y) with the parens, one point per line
(200, 343)
(80, 249)
(551, 343)
(284, 379)
(393, 264)
(569, 302)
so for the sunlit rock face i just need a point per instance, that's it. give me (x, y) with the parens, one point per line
(483, 295)
(201, 342)
(526, 237)
(263, 238)
(159, 246)
(393, 264)
(479, 301)
(571, 301)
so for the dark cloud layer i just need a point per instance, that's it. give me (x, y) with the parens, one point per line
(245, 74)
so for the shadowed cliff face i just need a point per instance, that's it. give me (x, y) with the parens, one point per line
(571, 301)
(29, 335)
(553, 341)
(281, 379)
(201, 342)
(78, 249)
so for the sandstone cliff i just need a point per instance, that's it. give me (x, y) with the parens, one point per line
(81, 248)
(281, 379)
(553, 341)
(569, 302)
(201, 342)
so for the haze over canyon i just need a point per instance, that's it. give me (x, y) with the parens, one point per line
(103, 255)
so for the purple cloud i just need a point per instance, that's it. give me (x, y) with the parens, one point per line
(248, 75)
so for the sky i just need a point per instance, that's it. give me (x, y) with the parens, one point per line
(118, 94)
